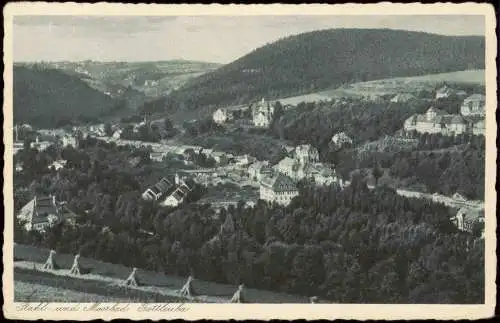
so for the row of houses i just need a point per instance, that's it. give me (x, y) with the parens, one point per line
(437, 121)
(168, 192)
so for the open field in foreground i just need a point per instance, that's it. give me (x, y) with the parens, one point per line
(103, 279)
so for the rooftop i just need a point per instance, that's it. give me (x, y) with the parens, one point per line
(279, 183)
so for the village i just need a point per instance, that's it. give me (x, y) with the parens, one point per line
(256, 179)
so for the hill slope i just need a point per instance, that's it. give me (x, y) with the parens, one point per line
(46, 97)
(324, 59)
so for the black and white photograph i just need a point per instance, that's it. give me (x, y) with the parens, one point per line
(257, 159)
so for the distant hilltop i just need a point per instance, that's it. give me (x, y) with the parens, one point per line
(324, 59)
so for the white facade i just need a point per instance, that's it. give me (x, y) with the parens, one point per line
(306, 153)
(479, 128)
(279, 189)
(466, 218)
(40, 145)
(340, 139)
(435, 121)
(474, 105)
(444, 92)
(263, 114)
(221, 116)
(69, 141)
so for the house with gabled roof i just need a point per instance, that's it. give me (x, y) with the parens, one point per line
(41, 213)
(155, 192)
(278, 188)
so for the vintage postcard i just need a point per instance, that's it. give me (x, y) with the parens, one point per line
(249, 161)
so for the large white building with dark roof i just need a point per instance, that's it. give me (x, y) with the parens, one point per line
(42, 213)
(278, 188)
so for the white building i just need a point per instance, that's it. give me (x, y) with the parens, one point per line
(436, 121)
(341, 139)
(117, 134)
(222, 116)
(466, 218)
(474, 105)
(306, 154)
(58, 164)
(278, 188)
(177, 197)
(479, 128)
(444, 92)
(69, 141)
(40, 145)
(263, 114)
(244, 160)
(402, 98)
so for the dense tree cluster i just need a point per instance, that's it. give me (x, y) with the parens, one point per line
(48, 98)
(354, 245)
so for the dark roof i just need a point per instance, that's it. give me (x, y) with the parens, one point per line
(279, 183)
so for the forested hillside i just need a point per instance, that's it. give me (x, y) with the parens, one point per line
(46, 97)
(322, 59)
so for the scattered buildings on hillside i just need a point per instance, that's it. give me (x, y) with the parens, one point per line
(278, 188)
(320, 173)
(437, 121)
(262, 114)
(474, 105)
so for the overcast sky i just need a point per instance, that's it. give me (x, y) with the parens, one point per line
(220, 39)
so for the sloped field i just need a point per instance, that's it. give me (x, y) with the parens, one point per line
(103, 279)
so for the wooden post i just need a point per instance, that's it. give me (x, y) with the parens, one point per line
(238, 295)
(75, 269)
(187, 289)
(131, 280)
(50, 264)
